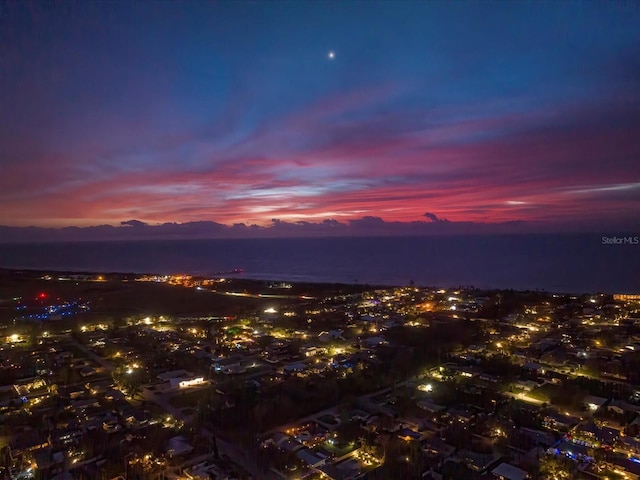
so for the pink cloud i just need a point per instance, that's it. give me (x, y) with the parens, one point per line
(498, 169)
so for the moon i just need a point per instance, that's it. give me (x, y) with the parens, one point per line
(331, 55)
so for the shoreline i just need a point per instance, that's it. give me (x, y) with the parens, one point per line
(241, 277)
(548, 263)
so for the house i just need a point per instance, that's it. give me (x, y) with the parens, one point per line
(547, 343)
(137, 418)
(63, 356)
(28, 438)
(436, 446)
(469, 372)
(477, 461)
(333, 472)
(62, 476)
(177, 446)
(167, 376)
(489, 378)
(8, 396)
(84, 403)
(526, 385)
(594, 403)
(378, 423)
(374, 341)
(506, 471)
(592, 435)
(330, 335)
(628, 445)
(294, 367)
(45, 458)
(534, 368)
(466, 415)
(114, 395)
(559, 421)
(538, 437)
(227, 364)
(409, 434)
(87, 371)
(430, 406)
(286, 443)
(310, 351)
(186, 382)
(310, 458)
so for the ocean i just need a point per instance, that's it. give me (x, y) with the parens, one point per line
(559, 263)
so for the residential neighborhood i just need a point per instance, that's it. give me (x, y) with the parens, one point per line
(318, 382)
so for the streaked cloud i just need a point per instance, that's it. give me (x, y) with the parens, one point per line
(179, 119)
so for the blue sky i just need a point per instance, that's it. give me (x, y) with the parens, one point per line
(233, 112)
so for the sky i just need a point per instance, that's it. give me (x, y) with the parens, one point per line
(254, 113)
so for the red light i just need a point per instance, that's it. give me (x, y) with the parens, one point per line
(42, 296)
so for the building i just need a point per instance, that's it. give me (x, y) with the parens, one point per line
(506, 471)
(627, 297)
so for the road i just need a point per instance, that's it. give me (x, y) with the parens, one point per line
(264, 295)
(524, 397)
(97, 358)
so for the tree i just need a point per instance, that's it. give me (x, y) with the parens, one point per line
(128, 379)
(350, 431)
(67, 374)
(346, 406)
(555, 468)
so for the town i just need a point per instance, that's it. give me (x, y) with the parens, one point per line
(113, 376)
